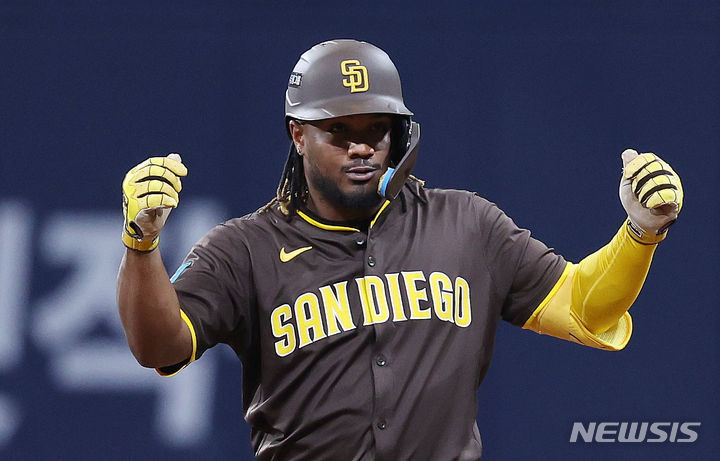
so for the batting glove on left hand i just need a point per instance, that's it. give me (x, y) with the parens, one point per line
(652, 195)
(150, 191)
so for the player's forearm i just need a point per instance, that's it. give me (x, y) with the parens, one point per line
(608, 281)
(150, 311)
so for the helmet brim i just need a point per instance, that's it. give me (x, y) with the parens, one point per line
(343, 106)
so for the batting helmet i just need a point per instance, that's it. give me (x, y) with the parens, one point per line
(347, 77)
(343, 77)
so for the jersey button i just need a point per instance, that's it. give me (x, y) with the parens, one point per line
(371, 261)
(381, 424)
(381, 360)
(360, 241)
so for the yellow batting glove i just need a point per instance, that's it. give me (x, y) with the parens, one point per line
(150, 191)
(652, 195)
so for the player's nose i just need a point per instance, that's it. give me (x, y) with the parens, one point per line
(360, 149)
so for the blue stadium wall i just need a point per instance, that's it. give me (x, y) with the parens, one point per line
(528, 103)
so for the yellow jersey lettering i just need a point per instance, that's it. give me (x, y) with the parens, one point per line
(364, 301)
(373, 299)
(442, 295)
(286, 333)
(307, 314)
(376, 289)
(337, 308)
(393, 281)
(463, 311)
(307, 321)
(416, 295)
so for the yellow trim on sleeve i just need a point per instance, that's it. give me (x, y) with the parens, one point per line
(189, 324)
(552, 293)
(192, 334)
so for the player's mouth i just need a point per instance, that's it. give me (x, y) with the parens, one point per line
(361, 173)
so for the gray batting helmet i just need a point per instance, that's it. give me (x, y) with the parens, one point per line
(343, 77)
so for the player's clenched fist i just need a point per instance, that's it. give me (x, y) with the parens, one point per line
(150, 190)
(651, 193)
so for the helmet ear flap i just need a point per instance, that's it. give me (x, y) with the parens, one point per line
(394, 177)
(400, 139)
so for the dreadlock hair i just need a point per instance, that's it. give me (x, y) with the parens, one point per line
(292, 189)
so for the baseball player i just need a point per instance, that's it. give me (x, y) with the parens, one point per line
(363, 305)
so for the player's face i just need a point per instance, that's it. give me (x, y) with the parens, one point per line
(343, 159)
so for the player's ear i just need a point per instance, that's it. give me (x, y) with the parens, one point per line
(296, 129)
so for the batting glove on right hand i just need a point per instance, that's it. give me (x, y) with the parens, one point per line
(150, 191)
(652, 195)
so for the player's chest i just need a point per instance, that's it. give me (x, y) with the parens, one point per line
(318, 291)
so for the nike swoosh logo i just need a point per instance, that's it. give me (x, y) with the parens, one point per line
(285, 257)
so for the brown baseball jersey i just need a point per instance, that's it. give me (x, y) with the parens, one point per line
(365, 341)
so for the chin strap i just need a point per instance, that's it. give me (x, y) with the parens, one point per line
(393, 179)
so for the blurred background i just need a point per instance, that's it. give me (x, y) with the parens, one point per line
(528, 103)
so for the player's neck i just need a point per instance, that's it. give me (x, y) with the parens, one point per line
(333, 213)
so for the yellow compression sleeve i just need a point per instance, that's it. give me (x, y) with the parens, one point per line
(589, 304)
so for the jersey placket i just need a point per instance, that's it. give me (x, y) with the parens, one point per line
(369, 248)
(381, 358)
